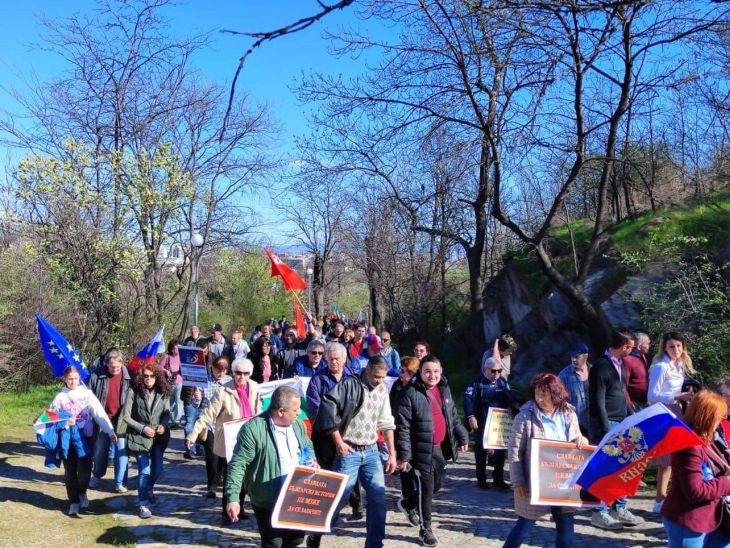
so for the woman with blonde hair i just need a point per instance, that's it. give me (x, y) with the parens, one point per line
(692, 511)
(666, 378)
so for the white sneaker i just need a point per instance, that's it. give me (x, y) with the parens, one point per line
(657, 506)
(627, 518)
(604, 520)
(121, 488)
(73, 510)
(83, 501)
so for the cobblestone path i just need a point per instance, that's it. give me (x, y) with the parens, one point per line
(464, 516)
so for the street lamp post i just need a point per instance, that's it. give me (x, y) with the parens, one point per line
(196, 240)
(309, 287)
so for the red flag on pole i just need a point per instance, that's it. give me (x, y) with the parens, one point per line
(289, 276)
(299, 320)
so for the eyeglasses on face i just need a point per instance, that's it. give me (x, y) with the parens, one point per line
(495, 371)
(244, 373)
(316, 353)
(148, 376)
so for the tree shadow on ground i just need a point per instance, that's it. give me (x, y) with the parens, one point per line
(36, 498)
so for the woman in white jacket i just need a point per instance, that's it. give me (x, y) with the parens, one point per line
(85, 409)
(666, 378)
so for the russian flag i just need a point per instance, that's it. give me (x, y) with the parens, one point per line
(618, 463)
(149, 351)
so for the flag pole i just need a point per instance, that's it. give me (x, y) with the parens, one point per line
(300, 303)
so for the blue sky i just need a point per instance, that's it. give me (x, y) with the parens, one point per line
(268, 75)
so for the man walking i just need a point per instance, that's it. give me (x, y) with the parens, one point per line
(428, 434)
(609, 405)
(351, 414)
(575, 379)
(110, 383)
(488, 390)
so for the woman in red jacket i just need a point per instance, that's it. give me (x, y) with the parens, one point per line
(701, 478)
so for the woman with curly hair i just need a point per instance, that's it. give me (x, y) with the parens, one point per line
(145, 418)
(547, 415)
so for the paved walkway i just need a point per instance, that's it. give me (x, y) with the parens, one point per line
(464, 516)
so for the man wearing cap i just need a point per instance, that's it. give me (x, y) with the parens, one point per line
(487, 390)
(218, 343)
(575, 379)
(372, 346)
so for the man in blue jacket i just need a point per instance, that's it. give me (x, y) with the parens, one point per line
(487, 390)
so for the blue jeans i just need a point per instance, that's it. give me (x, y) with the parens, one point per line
(103, 448)
(191, 415)
(177, 412)
(149, 466)
(563, 527)
(365, 464)
(681, 537)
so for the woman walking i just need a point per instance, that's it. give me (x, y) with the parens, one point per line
(236, 399)
(85, 409)
(145, 417)
(547, 415)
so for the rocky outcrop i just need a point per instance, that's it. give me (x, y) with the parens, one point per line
(546, 329)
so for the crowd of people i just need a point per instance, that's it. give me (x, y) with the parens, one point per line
(364, 429)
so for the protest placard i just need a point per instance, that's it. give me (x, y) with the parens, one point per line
(308, 499)
(552, 463)
(230, 435)
(497, 429)
(192, 366)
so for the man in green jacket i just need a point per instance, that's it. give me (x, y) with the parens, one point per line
(268, 448)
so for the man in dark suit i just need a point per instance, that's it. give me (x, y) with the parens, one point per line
(609, 404)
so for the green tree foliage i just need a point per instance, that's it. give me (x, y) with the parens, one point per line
(237, 291)
(694, 299)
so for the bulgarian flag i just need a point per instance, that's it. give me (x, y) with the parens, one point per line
(49, 416)
(292, 280)
(266, 389)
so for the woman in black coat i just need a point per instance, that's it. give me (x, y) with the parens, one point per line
(428, 433)
(266, 362)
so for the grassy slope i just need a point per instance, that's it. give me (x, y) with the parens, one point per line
(646, 234)
(45, 497)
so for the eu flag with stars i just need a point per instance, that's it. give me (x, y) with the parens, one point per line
(59, 353)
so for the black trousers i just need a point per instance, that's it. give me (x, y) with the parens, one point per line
(227, 520)
(426, 484)
(275, 538)
(76, 474)
(214, 465)
(480, 457)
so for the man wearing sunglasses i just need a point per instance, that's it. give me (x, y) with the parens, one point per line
(489, 389)
(308, 365)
